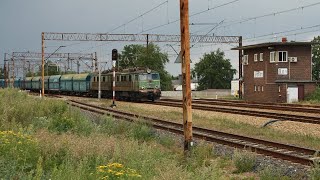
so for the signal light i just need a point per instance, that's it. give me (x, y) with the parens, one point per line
(114, 54)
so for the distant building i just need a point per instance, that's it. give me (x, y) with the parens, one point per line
(177, 84)
(277, 71)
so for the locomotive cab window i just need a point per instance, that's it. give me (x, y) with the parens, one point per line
(155, 76)
(144, 77)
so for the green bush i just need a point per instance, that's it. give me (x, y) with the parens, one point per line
(315, 171)
(142, 131)
(244, 161)
(62, 124)
(272, 173)
(19, 153)
(315, 96)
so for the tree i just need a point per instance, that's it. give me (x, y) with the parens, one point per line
(140, 56)
(214, 71)
(316, 59)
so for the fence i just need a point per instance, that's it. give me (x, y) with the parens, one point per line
(210, 93)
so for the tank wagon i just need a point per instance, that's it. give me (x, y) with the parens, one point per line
(136, 84)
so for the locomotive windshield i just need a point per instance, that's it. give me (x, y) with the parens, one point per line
(144, 77)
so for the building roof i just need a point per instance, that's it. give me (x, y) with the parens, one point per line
(272, 44)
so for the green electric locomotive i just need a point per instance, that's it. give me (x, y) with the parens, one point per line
(135, 84)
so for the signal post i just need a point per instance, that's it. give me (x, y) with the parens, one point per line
(114, 59)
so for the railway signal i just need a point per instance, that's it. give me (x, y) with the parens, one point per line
(114, 59)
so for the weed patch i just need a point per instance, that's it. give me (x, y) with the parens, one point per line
(244, 161)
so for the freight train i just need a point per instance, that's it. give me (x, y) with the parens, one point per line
(135, 84)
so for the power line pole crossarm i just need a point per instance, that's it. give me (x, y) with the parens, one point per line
(185, 68)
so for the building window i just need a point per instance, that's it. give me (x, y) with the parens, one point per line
(283, 56)
(255, 58)
(118, 78)
(97, 79)
(104, 79)
(245, 60)
(261, 88)
(282, 71)
(279, 88)
(258, 74)
(272, 57)
(255, 88)
(129, 77)
(261, 56)
(258, 88)
(94, 79)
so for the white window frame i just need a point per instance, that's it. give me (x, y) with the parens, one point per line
(282, 71)
(245, 60)
(255, 88)
(255, 58)
(286, 59)
(261, 56)
(258, 74)
(272, 57)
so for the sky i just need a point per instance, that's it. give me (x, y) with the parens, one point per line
(21, 24)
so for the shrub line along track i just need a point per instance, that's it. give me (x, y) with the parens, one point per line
(278, 116)
(291, 153)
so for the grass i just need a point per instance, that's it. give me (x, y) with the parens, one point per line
(46, 139)
(244, 161)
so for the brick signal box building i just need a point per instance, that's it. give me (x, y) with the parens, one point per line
(277, 72)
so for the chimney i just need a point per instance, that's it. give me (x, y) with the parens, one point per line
(284, 39)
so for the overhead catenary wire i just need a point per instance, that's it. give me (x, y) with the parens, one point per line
(230, 23)
(195, 14)
(141, 15)
(282, 32)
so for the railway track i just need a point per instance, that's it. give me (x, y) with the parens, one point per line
(260, 103)
(291, 153)
(271, 115)
(284, 107)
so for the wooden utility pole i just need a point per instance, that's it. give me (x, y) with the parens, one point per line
(42, 69)
(185, 68)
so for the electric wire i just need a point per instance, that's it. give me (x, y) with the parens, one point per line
(282, 32)
(195, 14)
(124, 24)
(230, 23)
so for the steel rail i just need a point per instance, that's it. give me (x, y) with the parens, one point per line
(262, 103)
(300, 155)
(279, 116)
(252, 105)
